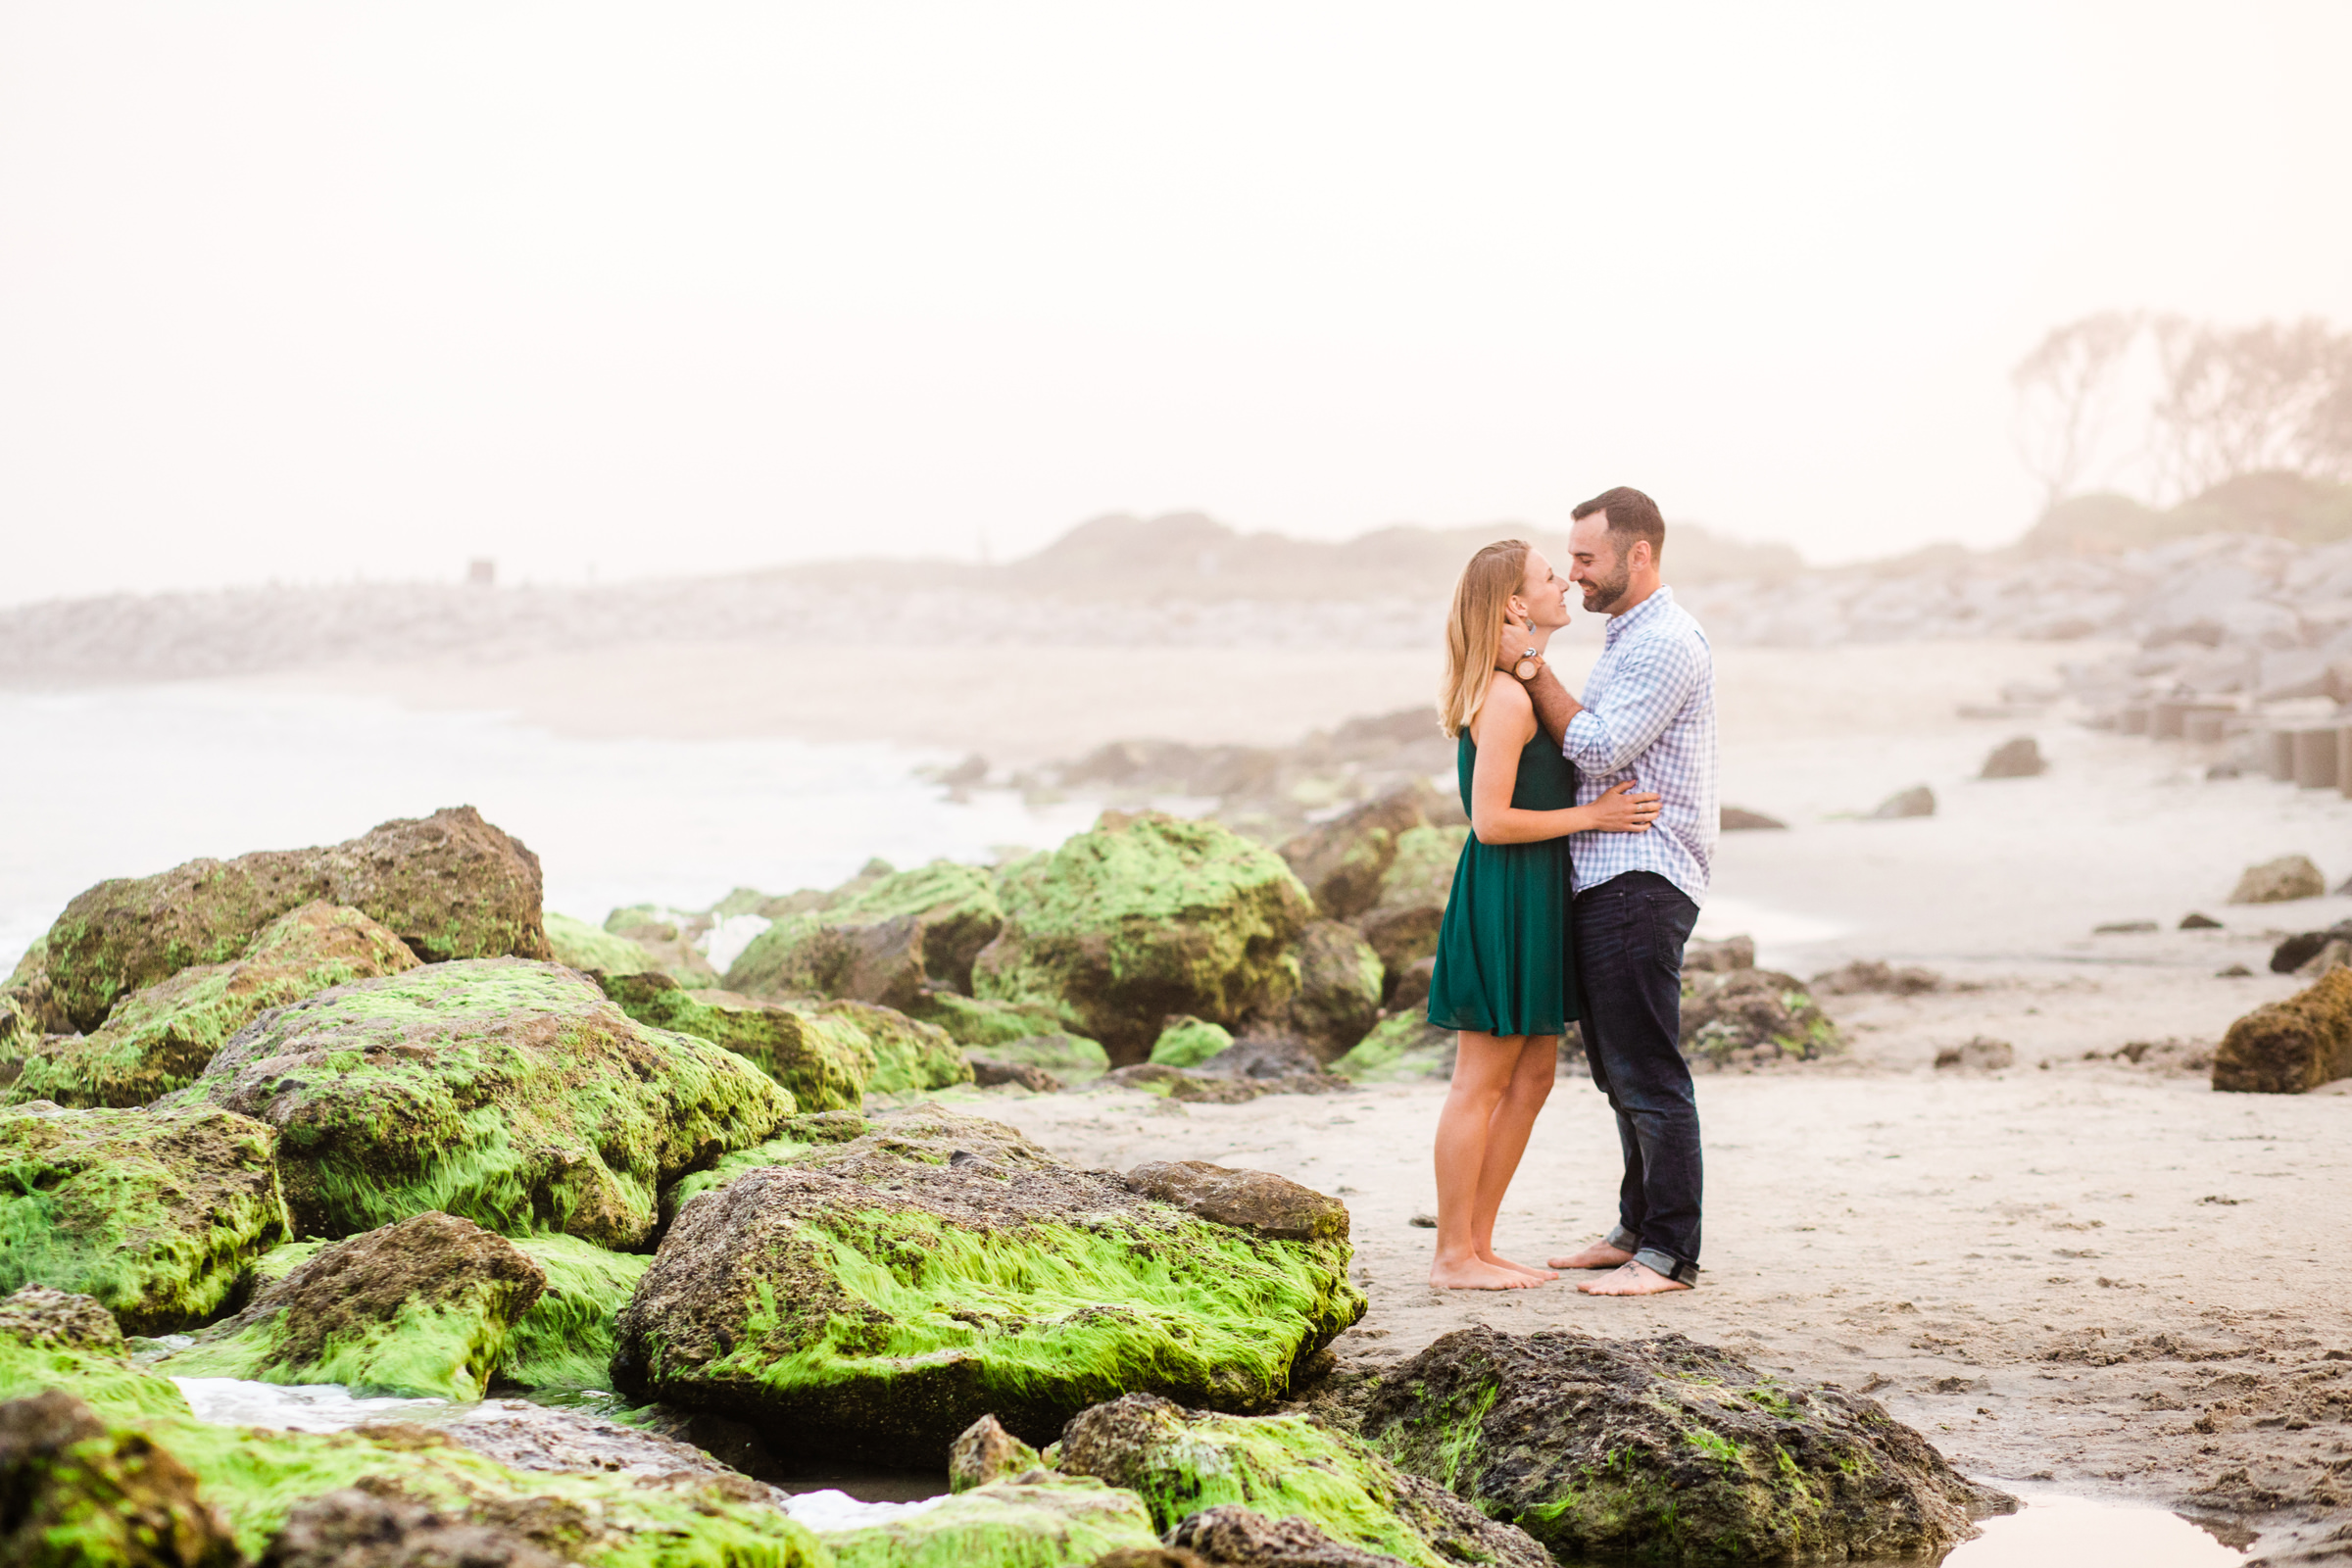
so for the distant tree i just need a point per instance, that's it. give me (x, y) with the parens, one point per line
(2247, 400)
(2066, 394)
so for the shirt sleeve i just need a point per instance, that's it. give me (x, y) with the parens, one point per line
(1646, 693)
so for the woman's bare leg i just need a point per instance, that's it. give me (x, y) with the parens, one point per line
(1483, 1068)
(1507, 1132)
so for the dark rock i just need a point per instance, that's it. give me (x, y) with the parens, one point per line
(2016, 758)
(1738, 819)
(2123, 928)
(1719, 957)
(1340, 978)
(1153, 1557)
(1667, 1450)
(75, 1494)
(2285, 1048)
(1745, 1016)
(1980, 1054)
(2304, 946)
(450, 886)
(990, 1074)
(564, 1440)
(1342, 861)
(875, 1299)
(1867, 975)
(381, 1527)
(1250, 1199)
(1410, 992)
(1402, 923)
(984, 1451)
(1917, 801)
(1261, 1056)
(2193, 921)
(1232, 1534)
(2235, 971)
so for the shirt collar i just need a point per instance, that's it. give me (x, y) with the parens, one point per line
(1632, 616)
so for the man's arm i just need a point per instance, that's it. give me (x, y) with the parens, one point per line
(1555, 704)
(1646, 693)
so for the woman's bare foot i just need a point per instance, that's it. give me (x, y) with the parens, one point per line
(1500, 1261)
(1476, 1274)
(1601, 1254)
(1634, 1279)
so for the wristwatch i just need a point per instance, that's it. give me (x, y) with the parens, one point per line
(1527, 666)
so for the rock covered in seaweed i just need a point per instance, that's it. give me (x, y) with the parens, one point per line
(578, 945)
(884, 939)
(825, 1063)
(1341, 979)
(1741, 1016)
(382, 1527)
(450, 886)
(669, 938)
(508, 1092)
(1666, 1450)
(875, 1298)
(1403, 1047)
(909, 1056)
(155, 1213)
(1142, 916)
(160, 1037)
(1183, 1462)
(2285, 1048)
(565, 1338)
(1188, 1041)
(1403, 921)
(79, 1496)
(1342, 863)
(1034, 1520)
(421, 1308)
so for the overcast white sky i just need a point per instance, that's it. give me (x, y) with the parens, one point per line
(316, 291)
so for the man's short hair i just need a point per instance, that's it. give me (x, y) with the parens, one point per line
(1631, 516)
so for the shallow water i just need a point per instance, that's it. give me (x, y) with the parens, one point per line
(305, 1408)
(2062, 1532)
(130, 780)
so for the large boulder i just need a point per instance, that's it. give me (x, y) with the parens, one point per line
(56, 1340)
(421, 1308)
(2285, 1048)
(1037, 1519)
(160, 1037)
(884, 940)
(1143, 916)
(1741, 1017)
(1667, 1450)
(2281, 881)
(1403, 919)
(75, 1494)
(508, 1092)
(1342, 861)
(29, 1005)
(450, 886)
(384, 1527)
(824, 1062)
(1182, 1462)
(876, 1297)
(154, 1212)
(1341, 979)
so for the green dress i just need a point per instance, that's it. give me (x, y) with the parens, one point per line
(1506, 961)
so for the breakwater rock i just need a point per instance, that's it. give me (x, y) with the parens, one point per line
(876, 1297)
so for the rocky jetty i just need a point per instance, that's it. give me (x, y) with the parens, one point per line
(878, 1295)
(1667, 1452)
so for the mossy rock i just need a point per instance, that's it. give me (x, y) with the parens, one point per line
(1341, 979)
(578, 945)
(1072, 1059)
(1404, 1049)
(1182, 1462)
(910, 1056)
(160, 1037)
(56, 1339)
(1187, 1043)
(508, 1092)
(668, 937)
(983, 1026)
(874, 1298)
(2286, 1047)
(421, 1308)
(29, 1007)
(1342, 863)
(1039, 1520)
(796, 1138)
(1739, 1018)
(824, 1062)
(1403, 919)
(1666, 1450)
(82, 1495)
(884, 939)
(565, 1338)
(154, 1212)
(1143, 916)
(449, 886)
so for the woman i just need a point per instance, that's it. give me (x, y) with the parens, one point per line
(1505, 973)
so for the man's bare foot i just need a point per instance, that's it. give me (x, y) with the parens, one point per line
(1500, 1261)
(1475, 1274)
(1634, 1279)
(1601, 1254)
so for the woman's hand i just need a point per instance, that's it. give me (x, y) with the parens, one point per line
(1617, 809)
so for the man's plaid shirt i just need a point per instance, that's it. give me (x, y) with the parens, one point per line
(1649, 715)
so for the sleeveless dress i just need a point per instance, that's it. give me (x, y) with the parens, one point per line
(1506, 961)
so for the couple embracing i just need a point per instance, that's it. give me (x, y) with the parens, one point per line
(1592, 824)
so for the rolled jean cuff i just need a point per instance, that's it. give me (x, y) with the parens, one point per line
(1623, 1240)
(1666, 1263)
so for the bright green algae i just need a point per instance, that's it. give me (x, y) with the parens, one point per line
(506, 1091)
(580, 945)
(1044, 1523)
(1403, 1048)
(1144, 916)
(565, 1338)
(979, 1025)
(154, 1212)
(909, 1056)
(160, 1037)
(1188, 1042)
(424, 1352)
(824, 1060)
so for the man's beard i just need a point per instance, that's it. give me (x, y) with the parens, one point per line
(1601, 593)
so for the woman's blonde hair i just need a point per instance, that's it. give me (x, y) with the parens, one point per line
(1474, 630)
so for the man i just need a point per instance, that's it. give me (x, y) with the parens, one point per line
(1649, 714)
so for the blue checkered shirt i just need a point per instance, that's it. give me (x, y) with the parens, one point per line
(1649, 715)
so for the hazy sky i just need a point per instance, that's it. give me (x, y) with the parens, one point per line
(319, 289)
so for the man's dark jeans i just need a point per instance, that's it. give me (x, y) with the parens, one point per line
(1630, 933)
